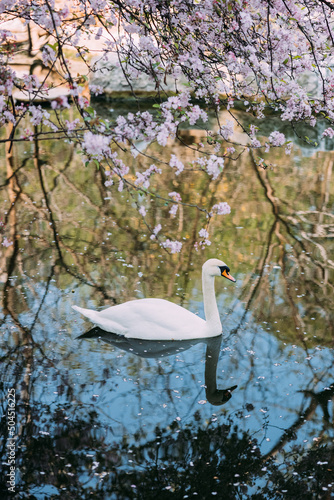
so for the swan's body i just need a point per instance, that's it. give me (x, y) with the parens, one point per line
(158, 319)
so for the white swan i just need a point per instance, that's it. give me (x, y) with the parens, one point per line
(158, 319)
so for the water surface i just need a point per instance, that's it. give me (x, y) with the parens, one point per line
(98, 417)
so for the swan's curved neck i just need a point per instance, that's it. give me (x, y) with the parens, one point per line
(214, 395)
(211, 361)
(210, 304)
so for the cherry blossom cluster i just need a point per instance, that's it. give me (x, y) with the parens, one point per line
(218, 53)
(5, 241)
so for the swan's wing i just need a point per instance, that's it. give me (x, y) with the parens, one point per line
(154, 319)
(104, 322)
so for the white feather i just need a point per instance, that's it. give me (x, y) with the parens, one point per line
(158, 319)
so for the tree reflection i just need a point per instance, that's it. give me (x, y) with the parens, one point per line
(303, 266)
(70, 240)
(63, 215)
(65, 454)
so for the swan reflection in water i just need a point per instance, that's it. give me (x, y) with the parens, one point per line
(161, 348)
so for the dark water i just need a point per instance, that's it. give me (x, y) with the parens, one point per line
(247, 415)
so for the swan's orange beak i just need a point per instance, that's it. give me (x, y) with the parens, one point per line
(228, 276)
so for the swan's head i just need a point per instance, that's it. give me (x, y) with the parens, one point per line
(216, 267)
(220, 396)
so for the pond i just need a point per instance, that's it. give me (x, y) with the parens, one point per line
(248, 414)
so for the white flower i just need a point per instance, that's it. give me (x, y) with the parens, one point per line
(176, 163)
(227, 130)
(173, 210)
(276, 138)
(96, 89)
(96, 145)
(176, 196)
(156, 230)
(142, 211)
(2, 103)
(6, 242)
(255, 143)
(203, 233)
(329, 132)
(222, 208)
(173, 246)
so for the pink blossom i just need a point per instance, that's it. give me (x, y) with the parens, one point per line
(288, 148)
(64, 12)
(96, 89)
(60, 102)
(176, 196)
(142, 211)
(98, 5)
(31, 82)
(176, 163)
(196, 113)
(227, 130)
(109, 183)
(70, 126)
(83, 101)
(163, 135)
(255, 143)
(6, 242)
(156, 230)
(143, 177)
(173, 210)
(173, 246)
(276, 138)
(179, 101)
(99, 33)
(213, 165)
(2, 103)
(329, 132)
(37, 114)
(222, 208)
(253, 129)
(48, 55)
(96, 145)
(203, 233)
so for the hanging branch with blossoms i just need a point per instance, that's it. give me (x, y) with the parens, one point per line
(217, 52)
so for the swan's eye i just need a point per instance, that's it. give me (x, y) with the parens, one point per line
(224, 269)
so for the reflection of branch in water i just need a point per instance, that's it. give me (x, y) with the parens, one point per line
(298, 251)
(317, 399)
(273, 200)
(160, 348)
(14, 192)
(56, 236)
(61, 174)
(260, 274)
(13, 175)
(25, 345)
(303, 236)
(320, 229)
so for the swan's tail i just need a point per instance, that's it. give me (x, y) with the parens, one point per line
(86, 312)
